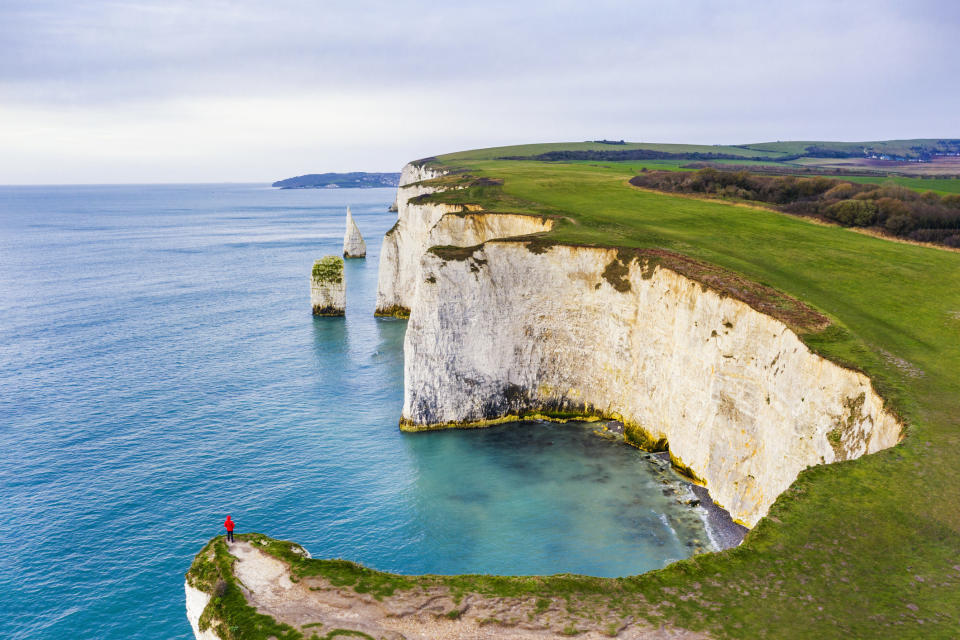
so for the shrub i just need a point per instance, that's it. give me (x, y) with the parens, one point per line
(952, 201)
(857, 213)
(842, 191)
(899, 224)
(926, 217)
(889, 207)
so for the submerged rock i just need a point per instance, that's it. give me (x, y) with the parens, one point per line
(615, 426)
(328, 293)
(353, 244)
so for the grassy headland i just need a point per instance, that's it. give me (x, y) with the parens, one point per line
(862, 549)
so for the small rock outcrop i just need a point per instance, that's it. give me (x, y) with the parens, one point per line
(328, 292)
(353, 244)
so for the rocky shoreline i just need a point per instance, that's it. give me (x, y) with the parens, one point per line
(723, 532)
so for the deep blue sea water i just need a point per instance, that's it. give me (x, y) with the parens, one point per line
(160, 368)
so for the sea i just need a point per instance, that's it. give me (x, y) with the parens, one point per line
(160, 369)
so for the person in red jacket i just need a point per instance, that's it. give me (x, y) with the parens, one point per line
(229, 525)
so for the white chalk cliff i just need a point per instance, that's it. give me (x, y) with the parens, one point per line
(197, 601)
(353, 244)
(502, 331)
(421, 226)
(406, 241)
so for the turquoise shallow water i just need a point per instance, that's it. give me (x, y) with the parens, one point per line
(160, 368)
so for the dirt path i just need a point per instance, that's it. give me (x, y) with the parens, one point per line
(313, 605)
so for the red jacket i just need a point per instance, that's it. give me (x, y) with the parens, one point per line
(228, 524)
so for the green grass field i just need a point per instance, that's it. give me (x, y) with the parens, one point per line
(941, 186)
(862, 549)
(493, 153)
(891, 147)
(773, 150)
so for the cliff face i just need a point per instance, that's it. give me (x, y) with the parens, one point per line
(742, 402)
(740, 399)
(421, 226)
(406, 241)
(197, 601)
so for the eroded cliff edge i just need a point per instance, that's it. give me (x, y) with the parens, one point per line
(507, 328)
(421, 225)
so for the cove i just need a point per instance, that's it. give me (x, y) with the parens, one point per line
(161, 368)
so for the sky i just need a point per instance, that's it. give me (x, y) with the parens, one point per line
(205, 91)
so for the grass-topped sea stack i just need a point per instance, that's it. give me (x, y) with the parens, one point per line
(327, 289)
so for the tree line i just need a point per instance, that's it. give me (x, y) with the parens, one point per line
(925, 217)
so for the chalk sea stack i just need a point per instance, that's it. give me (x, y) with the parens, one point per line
(328, 293)
(353, 244)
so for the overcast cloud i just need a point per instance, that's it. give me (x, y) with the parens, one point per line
(171, 91)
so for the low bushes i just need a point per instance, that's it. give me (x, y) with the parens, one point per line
(925, 217)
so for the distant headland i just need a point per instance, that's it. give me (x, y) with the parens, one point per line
(352, 180)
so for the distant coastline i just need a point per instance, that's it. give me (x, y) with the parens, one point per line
(352, 180)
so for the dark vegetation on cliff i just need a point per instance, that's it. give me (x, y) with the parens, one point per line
(926, 217)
